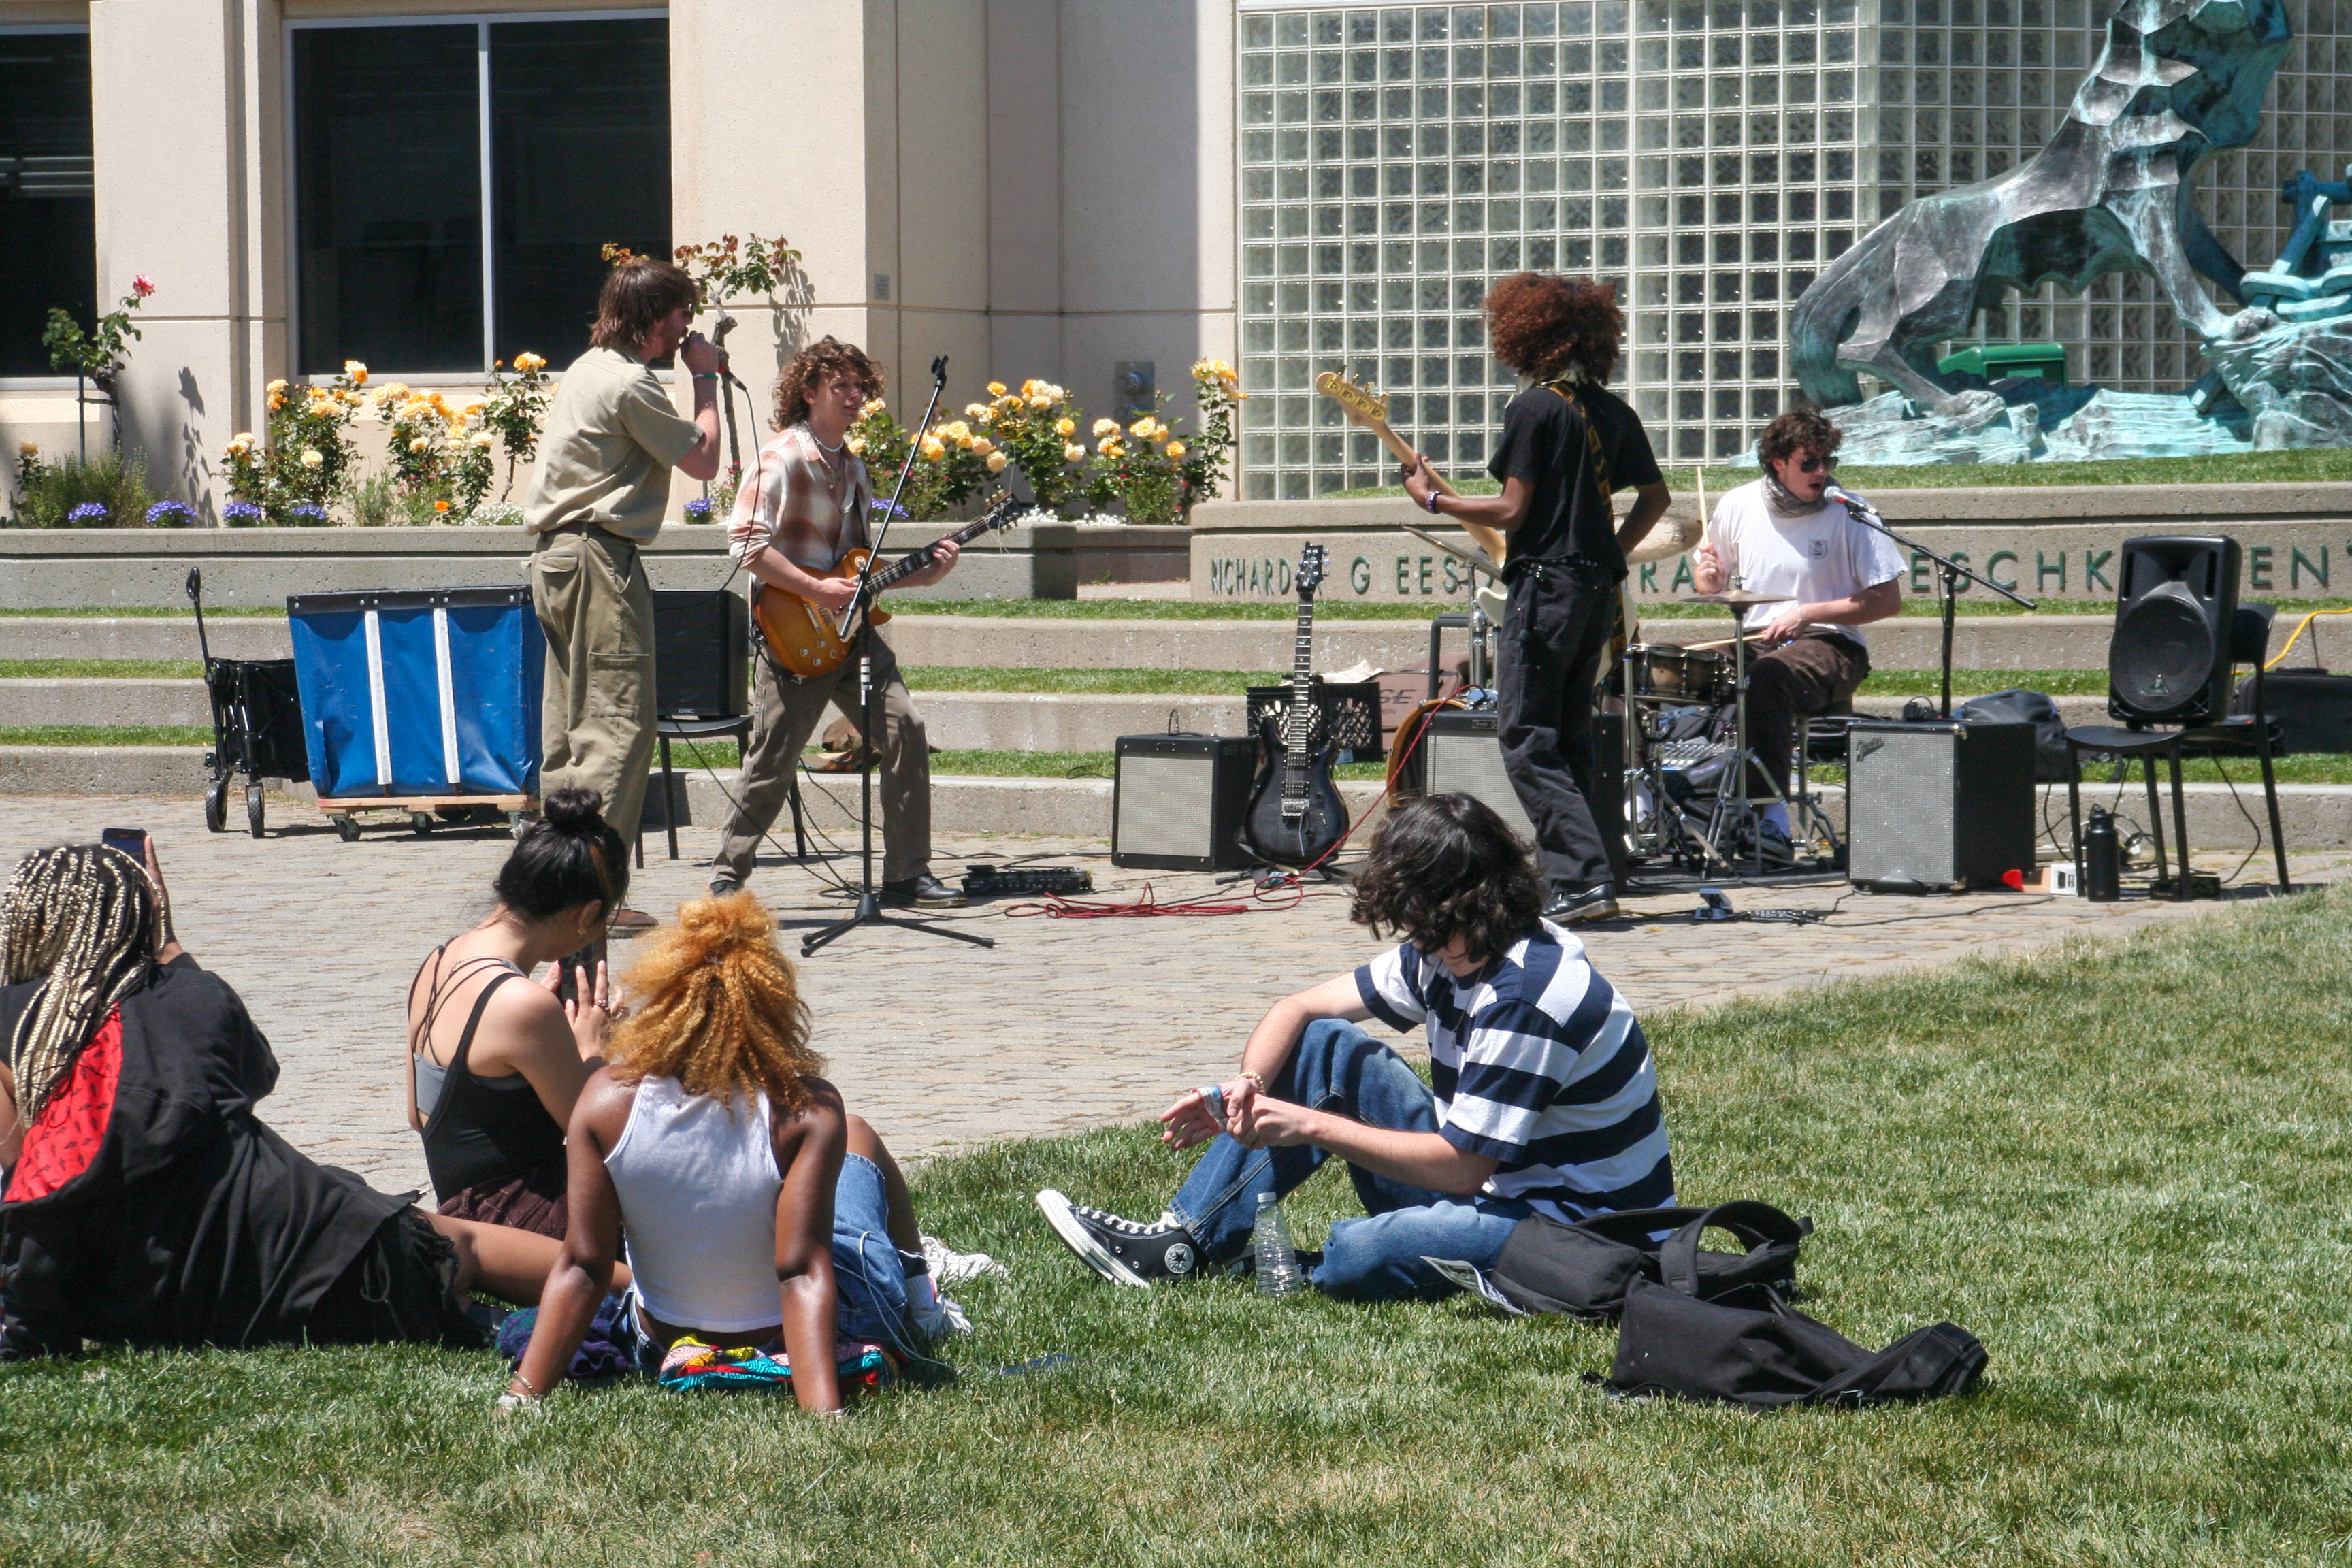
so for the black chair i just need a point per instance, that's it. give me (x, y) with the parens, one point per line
(668, 729)
(2250, 734)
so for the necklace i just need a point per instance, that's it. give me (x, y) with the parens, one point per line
(820, 441)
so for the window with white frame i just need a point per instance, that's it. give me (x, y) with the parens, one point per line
(454, 182)
(48, 245)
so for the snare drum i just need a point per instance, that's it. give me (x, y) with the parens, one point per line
(1668, 674)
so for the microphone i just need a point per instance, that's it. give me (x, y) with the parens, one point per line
(940, 369)
(1852, 501)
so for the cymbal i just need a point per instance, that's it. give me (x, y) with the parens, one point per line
(1476, 559)
(1667, 536)
(1739, 597)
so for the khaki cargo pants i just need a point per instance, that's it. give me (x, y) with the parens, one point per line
(597, 709)
(786, 713)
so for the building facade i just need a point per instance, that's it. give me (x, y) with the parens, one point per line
(1091, 192)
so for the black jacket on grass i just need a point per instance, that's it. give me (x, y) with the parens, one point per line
(193, 1224)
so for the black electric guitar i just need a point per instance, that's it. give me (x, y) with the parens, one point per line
(1295, 814)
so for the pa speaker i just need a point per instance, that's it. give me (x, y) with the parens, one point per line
(1938, 806)
(2168, 661)
(702, 654)
(1178, 802)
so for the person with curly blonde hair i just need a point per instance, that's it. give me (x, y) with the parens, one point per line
(800, 511)
(768, 1227)
(1569, 445)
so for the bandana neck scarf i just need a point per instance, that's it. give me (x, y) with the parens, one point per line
(1785, 502)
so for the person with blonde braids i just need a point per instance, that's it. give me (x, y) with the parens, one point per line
(144, 1201)
(758, 1209)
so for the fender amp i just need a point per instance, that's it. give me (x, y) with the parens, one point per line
(1937, 806)
(1178, 802)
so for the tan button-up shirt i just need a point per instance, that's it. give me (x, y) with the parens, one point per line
(805, 503)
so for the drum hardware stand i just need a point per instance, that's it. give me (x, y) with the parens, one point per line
(869, 903)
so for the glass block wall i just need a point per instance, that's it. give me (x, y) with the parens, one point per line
(1703, 155)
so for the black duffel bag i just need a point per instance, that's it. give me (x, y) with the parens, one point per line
(1749, 1347)
(2034, 707)
(1585, 1269)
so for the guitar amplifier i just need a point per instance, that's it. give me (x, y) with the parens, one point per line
(1940, 805)
(1462, 754)
(702, 654)
(1178, 802)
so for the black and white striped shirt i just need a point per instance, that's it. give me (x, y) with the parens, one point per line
(1538, 1062)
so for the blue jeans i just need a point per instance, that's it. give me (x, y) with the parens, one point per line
(1338, 1067)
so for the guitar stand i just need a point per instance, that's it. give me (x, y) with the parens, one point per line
(1259, 873)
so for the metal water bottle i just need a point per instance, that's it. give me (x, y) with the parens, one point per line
(2103, 860)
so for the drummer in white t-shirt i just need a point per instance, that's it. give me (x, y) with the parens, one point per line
(1779, 535)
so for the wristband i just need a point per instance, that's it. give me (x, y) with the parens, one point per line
(1432, 504)
(705, 375)
(1213, 1097)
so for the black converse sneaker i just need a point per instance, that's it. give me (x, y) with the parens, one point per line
(1120, 1251)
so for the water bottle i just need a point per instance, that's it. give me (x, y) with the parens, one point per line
(1278, 1273)
(2102, 859)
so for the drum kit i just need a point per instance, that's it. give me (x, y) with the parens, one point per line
(1690, 805)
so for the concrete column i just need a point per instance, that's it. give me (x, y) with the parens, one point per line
(1025, 188)
(187, 110)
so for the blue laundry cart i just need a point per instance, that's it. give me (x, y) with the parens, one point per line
(423, 702)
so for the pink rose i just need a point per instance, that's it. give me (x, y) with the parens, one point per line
(142, 286)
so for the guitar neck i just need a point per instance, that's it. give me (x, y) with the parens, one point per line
(915, 561)
(1404, 454)
(1302, 687)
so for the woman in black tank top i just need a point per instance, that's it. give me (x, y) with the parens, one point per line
(496, 1062)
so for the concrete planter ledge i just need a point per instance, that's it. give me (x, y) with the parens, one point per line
(102, 568)
(2049, 541)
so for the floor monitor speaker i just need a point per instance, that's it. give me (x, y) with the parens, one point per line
(702, 654)
(2168, 660)
(1937, 806)
(1178, 802)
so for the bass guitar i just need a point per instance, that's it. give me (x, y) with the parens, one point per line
(1296, 815)
(805, 637)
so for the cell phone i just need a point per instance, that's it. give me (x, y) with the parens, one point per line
(131, 841)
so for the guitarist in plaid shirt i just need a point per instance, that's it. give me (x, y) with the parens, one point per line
(1568, 445)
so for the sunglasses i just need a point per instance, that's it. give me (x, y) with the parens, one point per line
(1811, 465)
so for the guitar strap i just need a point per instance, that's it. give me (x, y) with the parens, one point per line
(1627, 621)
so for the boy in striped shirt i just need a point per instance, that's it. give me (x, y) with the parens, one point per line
(1543, 1097)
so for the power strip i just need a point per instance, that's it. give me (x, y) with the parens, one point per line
(1027, 881)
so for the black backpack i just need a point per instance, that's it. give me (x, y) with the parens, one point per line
(2034, 707)
(1749, 1347)
(1586, 1269)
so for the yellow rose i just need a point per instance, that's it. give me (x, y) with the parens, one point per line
(873, 405)
(29, 450)
(959, 431)
(995, 389)
(277, 401)
(528, 362)
(934, 450)
(419, 445)
(975, 411)
(982, 446)
(1105, 427)
(485, 441)
(355, 371)
(1141, 428)
(1029, 387)
(1065, 428)
(1041, 400)
(1074, 453)
(311, 457)
(278, 385)
(857, 445)
(1175, 451)
(996, 462)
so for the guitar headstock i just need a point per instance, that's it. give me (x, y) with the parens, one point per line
(1005, 510)
(1356, 404)
(1309, 574)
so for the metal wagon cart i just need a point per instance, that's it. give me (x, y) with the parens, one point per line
(256, 723)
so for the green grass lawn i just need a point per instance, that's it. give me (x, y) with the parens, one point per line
(2122, 1166)
(921, 677)
(101, 668)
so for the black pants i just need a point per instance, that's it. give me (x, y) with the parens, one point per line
(1552, 646)
(1812, 674)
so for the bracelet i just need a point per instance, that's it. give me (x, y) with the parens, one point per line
(528, 1386)
(1255, 1079)
(1432, 504)
(705, 375)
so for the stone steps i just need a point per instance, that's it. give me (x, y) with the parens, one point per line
(1979, 642)
(959, 721)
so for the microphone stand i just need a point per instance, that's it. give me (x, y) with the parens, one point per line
(1948, 574)
(869, 903)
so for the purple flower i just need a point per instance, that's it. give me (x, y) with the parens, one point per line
(170, 514)
(308, 516)
(90, 514)
(698, 510)
(241, 514)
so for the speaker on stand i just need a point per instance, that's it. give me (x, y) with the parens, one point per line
(2168, 660)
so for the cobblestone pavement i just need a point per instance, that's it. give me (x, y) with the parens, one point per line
(1063, 1025)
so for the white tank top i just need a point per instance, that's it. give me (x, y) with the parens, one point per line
(697, 1183)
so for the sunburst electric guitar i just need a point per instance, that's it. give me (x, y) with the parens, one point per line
(806, 637)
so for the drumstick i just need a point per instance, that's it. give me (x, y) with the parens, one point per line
(1720, 642)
